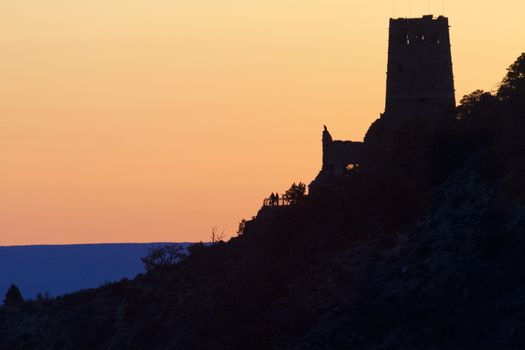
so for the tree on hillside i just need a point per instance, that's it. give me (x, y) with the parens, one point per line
(163, 256)
(513, 85)
(295, 194)
(477, 103)
(13, 296)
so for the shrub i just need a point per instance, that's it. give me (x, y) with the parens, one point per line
(162, 256)
(196, 248)
(296, 193)
(13, 296)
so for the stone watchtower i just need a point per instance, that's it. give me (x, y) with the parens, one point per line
(420, 84)
(419, 79)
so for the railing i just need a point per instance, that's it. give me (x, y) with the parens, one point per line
(279, 202)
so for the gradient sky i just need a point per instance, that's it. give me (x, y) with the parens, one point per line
(139, 121)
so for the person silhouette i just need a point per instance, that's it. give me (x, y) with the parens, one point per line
(272, 199)
(277, 199)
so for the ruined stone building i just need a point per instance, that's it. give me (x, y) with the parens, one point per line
(419, 83)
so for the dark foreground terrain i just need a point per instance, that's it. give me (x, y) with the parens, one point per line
(424, 249)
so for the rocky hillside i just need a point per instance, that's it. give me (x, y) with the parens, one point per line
(423, 251)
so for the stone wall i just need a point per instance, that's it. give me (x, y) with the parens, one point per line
(338, 158)
(338, 155)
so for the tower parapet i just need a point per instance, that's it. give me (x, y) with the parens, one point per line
(419, 78)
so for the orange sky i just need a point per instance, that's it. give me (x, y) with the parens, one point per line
(139, 121)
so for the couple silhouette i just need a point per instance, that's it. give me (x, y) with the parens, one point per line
(274, 199)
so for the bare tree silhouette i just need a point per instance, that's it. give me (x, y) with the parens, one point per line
(215, 236)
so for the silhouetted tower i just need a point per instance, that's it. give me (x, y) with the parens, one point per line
(419, 79)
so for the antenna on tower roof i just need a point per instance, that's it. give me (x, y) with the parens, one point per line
(393, 8)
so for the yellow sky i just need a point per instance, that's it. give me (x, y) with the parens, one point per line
(139, 121)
